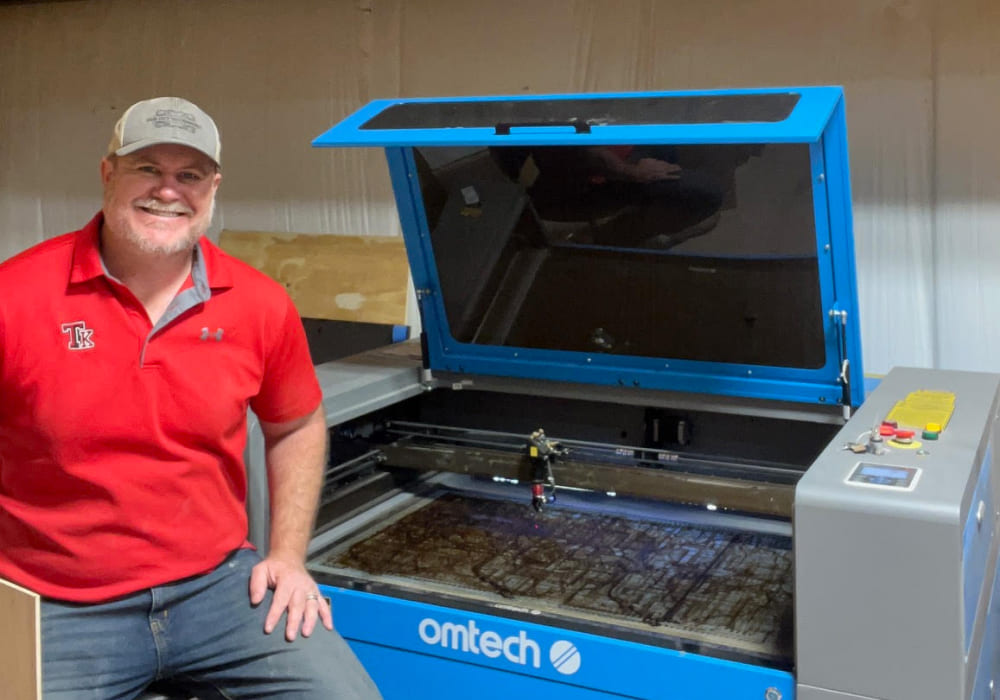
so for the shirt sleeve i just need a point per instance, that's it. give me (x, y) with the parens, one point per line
(289, 388)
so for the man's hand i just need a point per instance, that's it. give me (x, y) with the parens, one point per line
(652, 169)
(294, 591)
(295, 452)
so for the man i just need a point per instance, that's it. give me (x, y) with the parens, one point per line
(129, 353)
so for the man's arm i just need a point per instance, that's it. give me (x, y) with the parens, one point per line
(643, 170)
(295, 453)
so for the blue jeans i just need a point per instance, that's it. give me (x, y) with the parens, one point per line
(202, 635)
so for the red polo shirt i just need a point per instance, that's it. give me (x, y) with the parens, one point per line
(121, 445)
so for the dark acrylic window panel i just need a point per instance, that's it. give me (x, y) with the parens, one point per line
(699, 109)
(698, 252)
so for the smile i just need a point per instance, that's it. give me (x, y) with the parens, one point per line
(162, 212)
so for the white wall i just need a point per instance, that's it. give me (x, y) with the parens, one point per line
(922, 80)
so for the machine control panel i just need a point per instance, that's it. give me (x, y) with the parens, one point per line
(884, 476)
(918, 419)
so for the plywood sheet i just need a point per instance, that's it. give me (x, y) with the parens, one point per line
(341, 278)
(20, 646)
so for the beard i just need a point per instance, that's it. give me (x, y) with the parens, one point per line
(180, 245)
(120, 224)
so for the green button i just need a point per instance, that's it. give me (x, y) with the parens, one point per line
(930, 435)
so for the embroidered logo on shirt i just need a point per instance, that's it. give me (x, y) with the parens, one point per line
(80, 337)
(205, 335)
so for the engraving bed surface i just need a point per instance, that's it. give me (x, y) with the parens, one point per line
(719, 586)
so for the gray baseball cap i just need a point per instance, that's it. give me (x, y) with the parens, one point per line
(166, 120)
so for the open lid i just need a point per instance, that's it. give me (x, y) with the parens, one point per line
(696, 242)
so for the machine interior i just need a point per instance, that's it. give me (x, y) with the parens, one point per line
(627, 548)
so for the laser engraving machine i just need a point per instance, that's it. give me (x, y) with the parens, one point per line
(632, 456)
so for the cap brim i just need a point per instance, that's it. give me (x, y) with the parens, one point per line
(146, 143)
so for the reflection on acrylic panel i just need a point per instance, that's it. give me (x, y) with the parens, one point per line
(703, 252)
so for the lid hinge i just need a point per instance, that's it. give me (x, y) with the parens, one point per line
(839, 318)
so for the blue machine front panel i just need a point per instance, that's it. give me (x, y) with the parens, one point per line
(801, 296)
(414, 650)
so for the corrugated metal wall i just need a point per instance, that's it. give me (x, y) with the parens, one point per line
(922, 80)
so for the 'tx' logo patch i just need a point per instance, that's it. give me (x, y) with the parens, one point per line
(80, 337)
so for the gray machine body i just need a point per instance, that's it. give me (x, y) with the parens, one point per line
(351, 388)
(894, 587)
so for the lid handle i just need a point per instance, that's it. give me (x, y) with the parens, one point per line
(503, 128)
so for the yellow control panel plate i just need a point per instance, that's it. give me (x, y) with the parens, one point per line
(922, 407)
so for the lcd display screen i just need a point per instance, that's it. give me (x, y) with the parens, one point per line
(883, 475)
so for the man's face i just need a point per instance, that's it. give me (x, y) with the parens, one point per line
(159, 199)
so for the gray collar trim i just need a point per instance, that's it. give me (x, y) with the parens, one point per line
(187, 299)
(191, 297)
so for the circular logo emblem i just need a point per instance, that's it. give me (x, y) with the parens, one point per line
(565, 657)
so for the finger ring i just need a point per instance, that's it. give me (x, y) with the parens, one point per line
(312, 596)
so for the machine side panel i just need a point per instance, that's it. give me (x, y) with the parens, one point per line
(892, 582)
(808, 692)
(987, 673)
(977, 537)
(861, 627)
(509, 658)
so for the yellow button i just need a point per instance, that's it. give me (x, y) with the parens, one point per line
(933, 427)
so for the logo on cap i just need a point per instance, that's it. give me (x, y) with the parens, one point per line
(174, 119)
(165, 120)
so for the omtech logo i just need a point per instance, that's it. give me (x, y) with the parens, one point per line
(518, 649)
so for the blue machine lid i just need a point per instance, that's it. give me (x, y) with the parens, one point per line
(695, 241)
(770, 115)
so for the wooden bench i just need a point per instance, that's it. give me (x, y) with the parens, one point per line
(20, 647)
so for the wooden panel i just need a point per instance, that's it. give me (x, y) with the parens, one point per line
(20, 652)
(341, 278)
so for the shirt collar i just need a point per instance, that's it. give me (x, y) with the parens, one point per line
(87, 252)
(208, 269)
